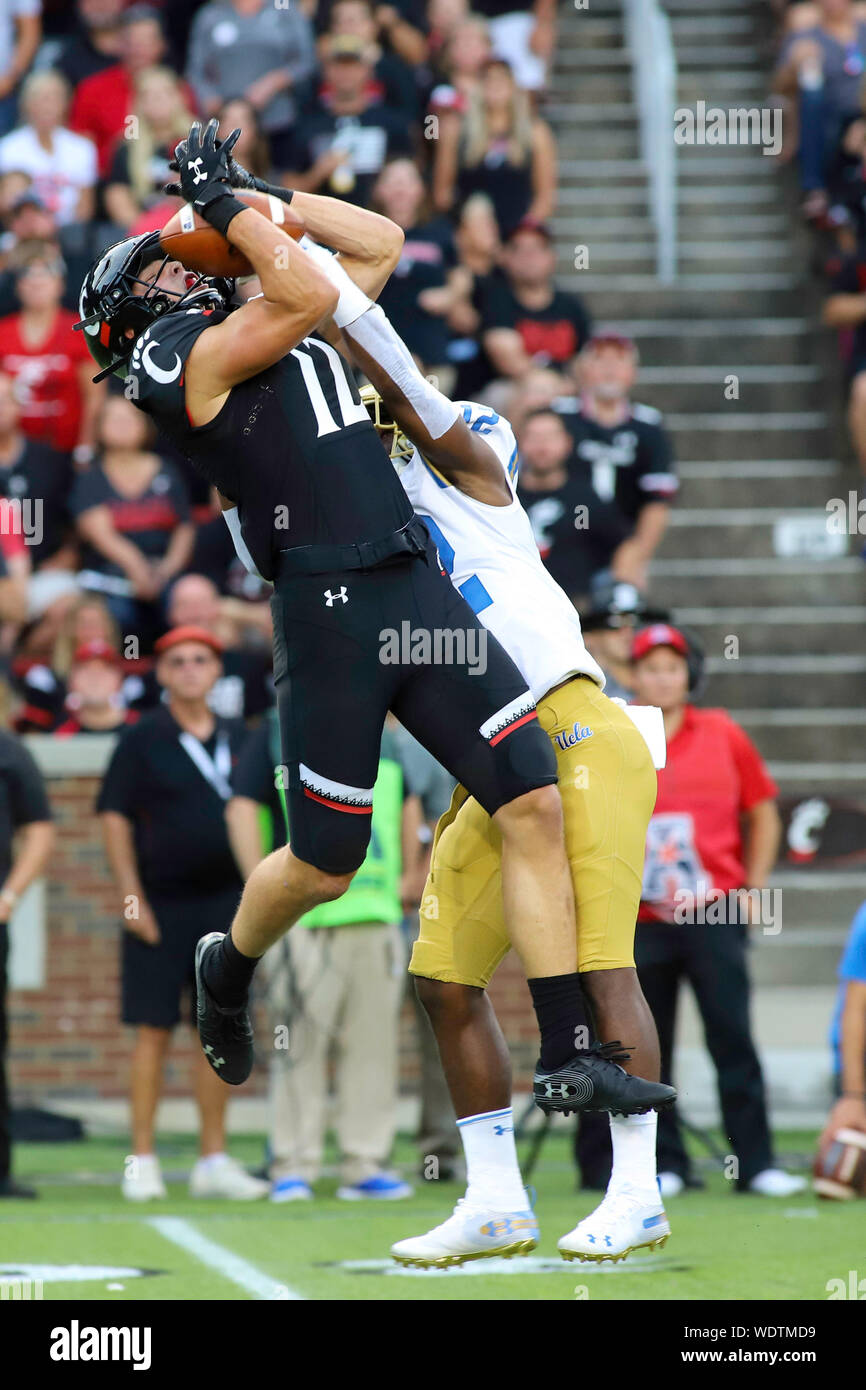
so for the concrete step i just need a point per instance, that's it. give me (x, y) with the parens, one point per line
(629, 296)
(815, 735)
(790, 631)
(735, 28)
(746, 533)
(803, 898)
(751, 342)
(798, 957)
(803, 389)
(738, 582)
(720, 435)
(790, 682)
(715, 489)
(604, 85)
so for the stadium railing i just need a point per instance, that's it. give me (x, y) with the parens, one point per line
(654, 83)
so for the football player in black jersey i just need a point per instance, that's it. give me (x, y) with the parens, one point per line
(270, 414)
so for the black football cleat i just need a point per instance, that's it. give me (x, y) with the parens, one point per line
(593, 1080)
(226, 1034)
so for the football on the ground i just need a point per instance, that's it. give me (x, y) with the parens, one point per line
(840, 1167)
(200, 247)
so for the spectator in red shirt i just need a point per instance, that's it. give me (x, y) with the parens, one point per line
(49, 364)
(712, 842)
(103, 102)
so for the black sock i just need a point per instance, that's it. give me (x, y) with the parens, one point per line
(227, 974)
(561, 1011)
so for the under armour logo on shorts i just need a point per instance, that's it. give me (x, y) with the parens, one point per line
(332, 598)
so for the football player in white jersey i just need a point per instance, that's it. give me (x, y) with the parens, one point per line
(458, 463)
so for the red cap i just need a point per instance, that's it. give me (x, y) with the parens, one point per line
(531, 224)
(97, 651)
(611, 340)
(658, 635)
(188, 634)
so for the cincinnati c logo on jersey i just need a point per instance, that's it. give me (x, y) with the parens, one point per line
(142, 357)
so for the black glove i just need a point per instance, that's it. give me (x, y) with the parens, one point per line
(238, 176)
(203, 165)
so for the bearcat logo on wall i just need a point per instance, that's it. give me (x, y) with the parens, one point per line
(824, 831)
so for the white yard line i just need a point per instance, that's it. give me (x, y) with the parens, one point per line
(222, 1261)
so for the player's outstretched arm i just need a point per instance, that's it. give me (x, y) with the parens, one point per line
(369, 244)
(425, 415)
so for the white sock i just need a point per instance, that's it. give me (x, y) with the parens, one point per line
(492, 1171)
(209, 1161)
(633, 1138)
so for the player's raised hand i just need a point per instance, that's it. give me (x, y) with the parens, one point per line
(202, 163)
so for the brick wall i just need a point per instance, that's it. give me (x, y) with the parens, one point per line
(66, 1038)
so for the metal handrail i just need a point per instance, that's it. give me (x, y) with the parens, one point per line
(654, 83)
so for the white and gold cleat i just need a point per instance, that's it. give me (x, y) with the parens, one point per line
(470, 1233)
(624, 1221)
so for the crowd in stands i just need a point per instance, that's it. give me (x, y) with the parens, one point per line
(431, 113)
(820, 82)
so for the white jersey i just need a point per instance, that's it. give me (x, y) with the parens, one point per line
(492, 558)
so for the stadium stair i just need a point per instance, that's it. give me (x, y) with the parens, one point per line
(743, 304)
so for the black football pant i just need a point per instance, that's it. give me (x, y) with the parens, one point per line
(353, 644)
(713, 959)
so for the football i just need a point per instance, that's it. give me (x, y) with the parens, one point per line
(200, 247)
(840, 1167)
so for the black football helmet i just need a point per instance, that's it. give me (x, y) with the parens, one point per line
(109, 305)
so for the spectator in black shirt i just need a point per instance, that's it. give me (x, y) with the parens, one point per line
(95, 44)
(132, 514)
(162, 805)
(623, 451)
(341, 145)
(419, 295)
(402, 27)
(40, 479)
(478, 247)
(499, 148)
(575, 534)
(845, 308)
(393, 76)
(24, 812)
(245, 689)
(525, 320)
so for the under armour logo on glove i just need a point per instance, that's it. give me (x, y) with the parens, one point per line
(198, 175)
(332, 598)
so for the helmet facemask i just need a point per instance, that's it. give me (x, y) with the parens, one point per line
(110, 308)
(399, 446)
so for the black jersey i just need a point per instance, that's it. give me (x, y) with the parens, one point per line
(293, 446)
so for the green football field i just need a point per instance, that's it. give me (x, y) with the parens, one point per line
(85, 1242)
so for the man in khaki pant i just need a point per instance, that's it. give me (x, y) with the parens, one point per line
(338, 978)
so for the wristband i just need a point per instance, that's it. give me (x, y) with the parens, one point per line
(276, 190)
(353, 302)
(218, 205)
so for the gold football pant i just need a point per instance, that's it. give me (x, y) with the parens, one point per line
(608, 787)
